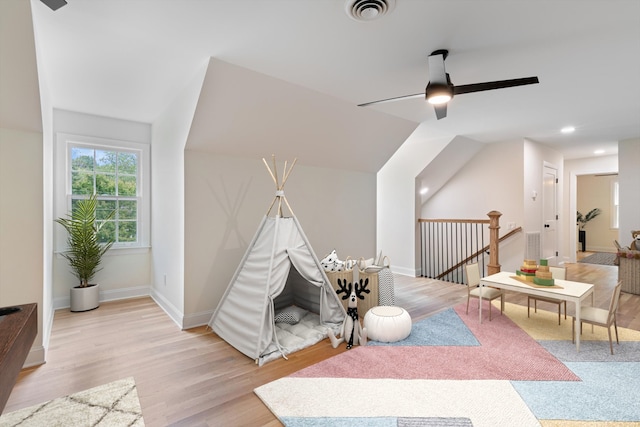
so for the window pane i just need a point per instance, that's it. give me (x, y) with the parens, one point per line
(74, 204)
(127, 163)
(114, 173)
(106, 161)
(105, 207)
(128, 210)
(81, 159)
(127, 185)
(127, 231)
(81, 183)
(105, 185)
(107, 232)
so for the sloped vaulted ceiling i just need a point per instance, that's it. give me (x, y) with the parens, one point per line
(242, 112)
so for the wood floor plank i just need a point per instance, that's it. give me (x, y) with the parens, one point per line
(193, 378)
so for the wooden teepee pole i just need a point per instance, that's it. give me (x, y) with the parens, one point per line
(286, 175)
(273, 171)
(275, 181)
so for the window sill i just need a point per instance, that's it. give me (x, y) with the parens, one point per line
(118, 251)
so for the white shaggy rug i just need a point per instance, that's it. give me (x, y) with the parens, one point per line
(375, 400)
(113, 404)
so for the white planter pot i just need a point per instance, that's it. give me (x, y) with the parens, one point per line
(85, 299)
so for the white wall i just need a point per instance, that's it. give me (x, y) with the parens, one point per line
(397, 226)
(594, 191)
(21, 264)
(227, 197)
(21, 170)
(170, 133)
(629, 179)
(125, 272)
(486, 183)
(573, 168)
(47, 213)
(536, 156)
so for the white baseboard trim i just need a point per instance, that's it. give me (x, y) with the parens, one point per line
(108, 295)
(176, 315)
(35, 357)
(405, 271)
(197, 319)
(610, 249)
(118, 294)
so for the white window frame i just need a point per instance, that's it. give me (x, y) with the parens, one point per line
(615, 205)
(62, 203)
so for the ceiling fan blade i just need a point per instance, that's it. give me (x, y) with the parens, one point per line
(441, 111)
(397, 98)
(54, 4)
(437, 73)
(500, 84)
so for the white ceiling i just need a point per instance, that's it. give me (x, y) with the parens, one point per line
(130, 58)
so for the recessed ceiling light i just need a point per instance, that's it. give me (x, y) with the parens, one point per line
(598, 152)
(567, 129)
(424, 190)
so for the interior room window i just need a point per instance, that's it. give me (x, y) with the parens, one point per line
(114, 172)
(113, 176)
(615, 205)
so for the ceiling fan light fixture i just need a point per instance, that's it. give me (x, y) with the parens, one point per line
(438, 94)
(439, 99)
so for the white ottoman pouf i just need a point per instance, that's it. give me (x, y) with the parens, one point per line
(387, 323)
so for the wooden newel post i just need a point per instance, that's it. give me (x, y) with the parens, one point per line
(494, 227)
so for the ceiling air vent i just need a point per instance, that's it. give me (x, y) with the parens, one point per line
(368, 10)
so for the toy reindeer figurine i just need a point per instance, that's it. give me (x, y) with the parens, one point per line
(351, 332)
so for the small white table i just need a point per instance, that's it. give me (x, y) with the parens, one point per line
(575, 292)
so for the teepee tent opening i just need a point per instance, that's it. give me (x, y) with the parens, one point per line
(278, 275)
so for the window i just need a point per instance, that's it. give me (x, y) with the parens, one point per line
(114, 171)
(615, 204)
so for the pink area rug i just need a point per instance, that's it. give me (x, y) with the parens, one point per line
(505, 352)
(453, 371)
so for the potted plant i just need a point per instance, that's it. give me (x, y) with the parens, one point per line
(582, 220)
(85, 250)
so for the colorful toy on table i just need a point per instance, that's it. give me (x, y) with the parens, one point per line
(528, 270)
(538, 274)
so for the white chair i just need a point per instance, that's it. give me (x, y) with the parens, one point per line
(600, 317)
(557, 273)
(474, 290)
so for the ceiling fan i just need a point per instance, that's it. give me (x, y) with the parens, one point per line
(440, 90)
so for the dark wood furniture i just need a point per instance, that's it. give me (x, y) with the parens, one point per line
(18, 330)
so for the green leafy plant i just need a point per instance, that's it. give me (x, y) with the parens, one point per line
(582, 220)
(85, 250)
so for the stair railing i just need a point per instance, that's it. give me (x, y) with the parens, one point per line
(447, 245)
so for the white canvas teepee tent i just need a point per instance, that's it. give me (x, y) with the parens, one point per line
(265, 281)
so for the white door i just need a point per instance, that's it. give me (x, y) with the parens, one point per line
(550, 214)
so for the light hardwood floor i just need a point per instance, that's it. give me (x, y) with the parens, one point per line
(193, 378)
